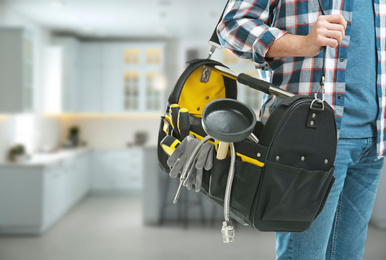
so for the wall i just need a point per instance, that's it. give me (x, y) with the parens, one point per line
(112, 131)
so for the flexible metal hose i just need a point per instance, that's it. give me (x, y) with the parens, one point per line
(227, 198)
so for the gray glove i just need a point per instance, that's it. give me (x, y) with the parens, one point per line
(203, 160)
(180, 156)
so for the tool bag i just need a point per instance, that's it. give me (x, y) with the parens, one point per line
(281, 182)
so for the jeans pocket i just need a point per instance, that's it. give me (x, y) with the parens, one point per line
(244, 188)
(293, 194)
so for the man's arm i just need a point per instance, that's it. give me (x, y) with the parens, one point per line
(245, 32)
(329, 30)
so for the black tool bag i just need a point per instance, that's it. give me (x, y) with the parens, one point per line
(282, 182)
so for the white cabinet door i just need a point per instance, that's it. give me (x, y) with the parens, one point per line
(53, 189)
(135, 168)
(112, 100)
(16, 70)
(84, 170)
(101, 171)
(69, 76)
(112, 56)
(91, 90)
(79, 180)
(117, 170)
(91, 55)
(20, 198)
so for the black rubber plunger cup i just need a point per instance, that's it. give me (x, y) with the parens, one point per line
(228, 121)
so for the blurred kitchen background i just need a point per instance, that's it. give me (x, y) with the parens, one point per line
(83, 84)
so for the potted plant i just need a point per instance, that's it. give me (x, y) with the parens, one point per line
(73, 135)
(17, 153)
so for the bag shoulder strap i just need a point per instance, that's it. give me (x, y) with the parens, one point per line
(214, 41)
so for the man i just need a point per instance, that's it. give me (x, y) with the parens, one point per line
(287, 37)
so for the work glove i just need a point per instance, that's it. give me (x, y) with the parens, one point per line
(203, 160)
(180, 156)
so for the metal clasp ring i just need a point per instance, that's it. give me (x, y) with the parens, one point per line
(317, 100)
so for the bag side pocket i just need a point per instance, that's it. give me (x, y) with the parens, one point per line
(244, 188)
(292, 194)
(164, 130)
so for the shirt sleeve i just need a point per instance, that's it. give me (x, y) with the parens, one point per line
(245, 32)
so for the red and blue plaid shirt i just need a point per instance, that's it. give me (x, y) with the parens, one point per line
(250, 27)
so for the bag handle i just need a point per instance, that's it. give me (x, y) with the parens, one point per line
(321, 82)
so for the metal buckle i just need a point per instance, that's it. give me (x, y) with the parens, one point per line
(319, 101)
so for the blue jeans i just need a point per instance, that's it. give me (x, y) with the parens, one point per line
(340, 231)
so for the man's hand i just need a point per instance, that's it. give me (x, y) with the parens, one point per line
(328, 30)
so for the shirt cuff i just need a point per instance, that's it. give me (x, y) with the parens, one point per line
(261, 47)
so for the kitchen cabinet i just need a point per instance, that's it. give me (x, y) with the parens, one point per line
(63, 74)
(91, 78)
(34, 195)
(117, 170)
(16, 70)
(111, 79)
(122, 77)
(90, 91)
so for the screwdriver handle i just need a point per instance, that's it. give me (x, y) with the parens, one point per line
(183, 123)
(174, 109)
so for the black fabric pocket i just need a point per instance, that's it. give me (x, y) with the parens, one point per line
(293, 194)
(244, 187)
(162, 156)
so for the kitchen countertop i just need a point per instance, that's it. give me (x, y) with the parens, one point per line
(44, 159)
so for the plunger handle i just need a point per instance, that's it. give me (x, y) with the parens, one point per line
(222, 150)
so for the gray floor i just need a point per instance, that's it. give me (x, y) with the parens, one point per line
(110, 228)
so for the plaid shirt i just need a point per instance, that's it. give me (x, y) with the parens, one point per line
(246, 31)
